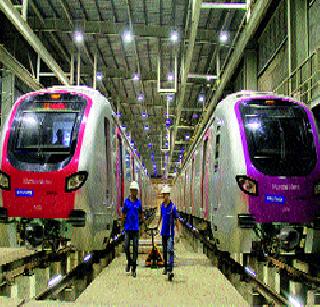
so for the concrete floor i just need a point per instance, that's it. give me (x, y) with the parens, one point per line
(196, 282)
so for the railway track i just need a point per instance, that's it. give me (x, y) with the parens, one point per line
(259, 277)
(18, 267)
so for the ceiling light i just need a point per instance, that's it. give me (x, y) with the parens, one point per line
(127, 36)
(146, 128)
(195, 115)
(140, 97)
(187, 137)
(99, 76)
(168, 122)
(201, 98)
(223, 36)
(144, 114)
(170, 98)
(136, 77)
(170, 76)
(174, 36)
(78, 37)
(150, 145)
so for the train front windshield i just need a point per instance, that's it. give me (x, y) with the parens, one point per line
(45, 131)
(279, 137)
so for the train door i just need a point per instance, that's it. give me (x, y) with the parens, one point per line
(119, 173)
(192, 184)
(108, 192)
(216, 171)
(128, 172)
(205, 177)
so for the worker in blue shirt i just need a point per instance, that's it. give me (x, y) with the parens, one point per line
(168, 217)
(130, 213)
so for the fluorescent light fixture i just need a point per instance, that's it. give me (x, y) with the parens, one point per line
(250, 271)
(136, 77)
(223, 36)
(170, 76)
(187, 137)
(78, 37)
(118, 114)
(170, 98)
(144, 114)
(140, 97)
(168, 122)
(195, 115)
(146, 128)
(127, 36)
(174, 36)
(150, 145)
(123, 127)
(87, 258)
(201, 98)
(54, 280)
(99, 76)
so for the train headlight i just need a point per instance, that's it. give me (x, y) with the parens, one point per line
(76, 181)
(247, 185)
(316, 188)
(4, 181)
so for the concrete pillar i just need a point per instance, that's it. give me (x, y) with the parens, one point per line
(55, 268)
(195, 244)
(313, 298)
(96, 267)
(12, 290)
(42, 276)
(74, 259)
(103, 262)
(251, 69)
(7, 95)
(68, 294)
(26, 286)
(118, 250)
(68, 264)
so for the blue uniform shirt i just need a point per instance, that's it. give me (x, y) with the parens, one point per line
(132, 210)
(169, 215)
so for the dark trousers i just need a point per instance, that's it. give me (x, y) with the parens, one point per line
(134, 236)
(168, 252)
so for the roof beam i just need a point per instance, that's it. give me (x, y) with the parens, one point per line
(185, 128)
(258, 13)
(22, 26)
(224, 5)
(18, 69)
(185, 67)
(110, 29)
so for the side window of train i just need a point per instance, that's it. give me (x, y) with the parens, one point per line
(108, 160)
(217, 155)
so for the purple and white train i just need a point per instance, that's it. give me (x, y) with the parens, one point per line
(253, 179)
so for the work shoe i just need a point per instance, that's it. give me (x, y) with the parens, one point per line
(133, 273)
(164, 272)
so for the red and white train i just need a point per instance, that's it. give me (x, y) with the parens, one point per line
(65, 169)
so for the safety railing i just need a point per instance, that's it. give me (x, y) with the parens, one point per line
(303, 83)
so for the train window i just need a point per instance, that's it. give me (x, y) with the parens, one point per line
(44, 133)
(279, 137)
(108, 160)
(217, 156)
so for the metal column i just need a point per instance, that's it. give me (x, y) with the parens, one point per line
(7, 93)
